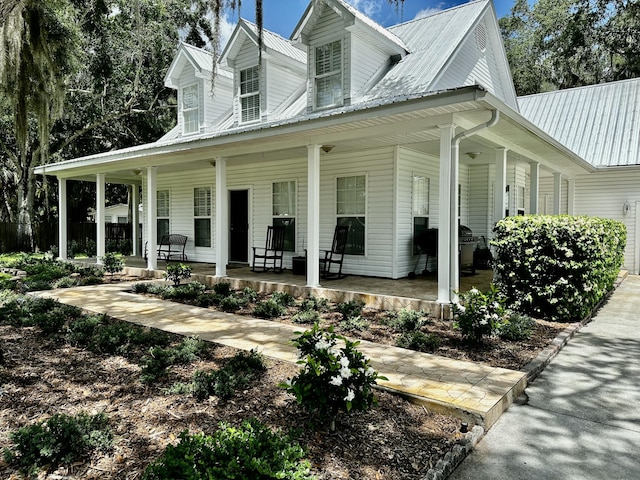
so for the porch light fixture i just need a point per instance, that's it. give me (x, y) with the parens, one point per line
(136, 172)
(212, 163)
(327, 148)
(473, 155)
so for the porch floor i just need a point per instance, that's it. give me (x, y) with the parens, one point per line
(472, 392)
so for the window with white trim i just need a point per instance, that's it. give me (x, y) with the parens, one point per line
(419, 206)
(284, 211)
(328, 75)
(190, 109)
(351, 210)
(249, 94)
(162, 213)
(202, 216)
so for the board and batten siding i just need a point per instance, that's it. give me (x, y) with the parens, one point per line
(410, 163)
(603, 194)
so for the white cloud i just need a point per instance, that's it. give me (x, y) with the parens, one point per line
(226, 29)
(368, 7)
(426, 12)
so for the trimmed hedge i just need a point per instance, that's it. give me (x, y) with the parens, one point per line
(557, 267)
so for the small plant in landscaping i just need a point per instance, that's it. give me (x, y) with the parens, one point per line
(350, 309)
(355, 323)
(314, 303)
(223, 289)
(66, 282)
(251, 451)
(479, 314)
(61, 439)
(189, 291)
(176, 272)
(418, 341)
(112, 263)
(268, 309)
(516, 327)
(232, 303)
(332, 379)
(306, 317)
(283, 298)
(80, 331)
(407, 320)
(249, 294)
(156, 363)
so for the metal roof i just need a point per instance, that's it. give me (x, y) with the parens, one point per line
(601, 123)
(274, 42)
(431, 41)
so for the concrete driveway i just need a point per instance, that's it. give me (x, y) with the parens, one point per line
(581, 418)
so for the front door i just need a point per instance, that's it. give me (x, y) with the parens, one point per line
(238, 225)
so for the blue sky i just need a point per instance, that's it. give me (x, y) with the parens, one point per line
(281, 16)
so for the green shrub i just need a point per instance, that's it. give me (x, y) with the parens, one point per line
(190, 291)
(34, 284)
(306, 317)
(53, 320)
(66, 282)
(283, 298)
(112, 263)
(249, 294)
(416, 340)
(207, 299)
(355, 323)
(249, 452)
(236, 374)
(516, 327)
(350, 309)
(81, 330)
(557, 267)
(155, 364)
(189, 350)
(223, 289)
(332, 379)
(314, 303)
(61, 439)
(479, 314)
(268, 309)
(176, 272)
(232, 303)
(407, 320)
(140, 287)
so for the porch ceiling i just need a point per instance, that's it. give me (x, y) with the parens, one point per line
(410, 122)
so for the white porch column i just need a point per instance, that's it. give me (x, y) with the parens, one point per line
(100, 217)
(571, 192)
(500, 184)
(557, 193)
(62, 218)
(444, 216)
(222, 218)
(454, 255)
(534, 187)
(152, 218)
(135, 220)
(313, 215)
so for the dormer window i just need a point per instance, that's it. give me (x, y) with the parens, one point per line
(328, 75)
(250, 94)
(190, 109)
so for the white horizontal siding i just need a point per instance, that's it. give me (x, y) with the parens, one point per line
(365, 63)
(280, 84)
(479, 199)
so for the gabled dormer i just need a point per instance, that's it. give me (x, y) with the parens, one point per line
(347, 53)
(262, 91)
(190, 75)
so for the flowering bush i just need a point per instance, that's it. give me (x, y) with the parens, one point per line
(333, 379)
(557, 267)
(478, 314)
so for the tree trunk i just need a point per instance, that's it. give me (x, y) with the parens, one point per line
(26, 195)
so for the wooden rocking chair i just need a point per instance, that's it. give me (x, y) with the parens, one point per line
(335, 256)
(270, 257)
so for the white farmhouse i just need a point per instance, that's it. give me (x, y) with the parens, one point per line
(389, 131)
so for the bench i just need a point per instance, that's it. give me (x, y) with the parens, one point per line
(170, 247)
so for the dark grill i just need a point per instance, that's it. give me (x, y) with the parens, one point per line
(427, 242)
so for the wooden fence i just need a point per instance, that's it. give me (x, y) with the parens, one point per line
(81, 237)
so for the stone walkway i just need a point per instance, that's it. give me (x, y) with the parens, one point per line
(475, 393)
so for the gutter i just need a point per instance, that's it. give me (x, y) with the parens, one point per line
(454, 272)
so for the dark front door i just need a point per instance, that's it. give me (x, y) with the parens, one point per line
(238, 225)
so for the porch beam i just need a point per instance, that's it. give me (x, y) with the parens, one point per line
(62, 219)
(135, 220)
(557, 193)
(313, 215)
(152, 219)
(500, 184)
(100, 217)
(534, 187)
(445, 221)
(222, 218)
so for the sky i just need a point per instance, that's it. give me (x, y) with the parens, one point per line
(282, 16)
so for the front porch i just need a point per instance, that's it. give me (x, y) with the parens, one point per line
(420, 293)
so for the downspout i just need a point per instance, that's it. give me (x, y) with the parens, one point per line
(455, 160)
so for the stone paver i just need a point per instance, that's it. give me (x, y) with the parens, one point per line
(473, 392)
